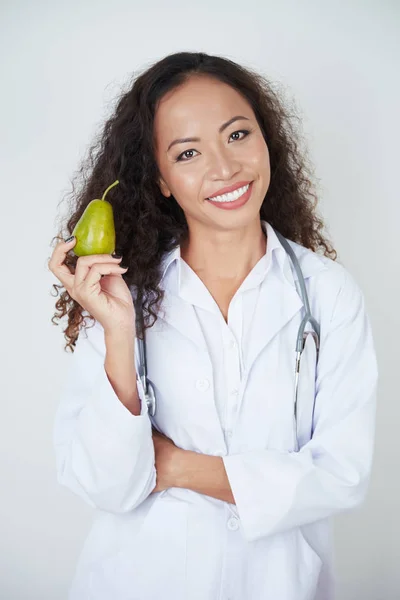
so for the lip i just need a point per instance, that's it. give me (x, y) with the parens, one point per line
(236, 204)
(230, 188)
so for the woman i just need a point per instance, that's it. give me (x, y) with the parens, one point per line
(222, 493)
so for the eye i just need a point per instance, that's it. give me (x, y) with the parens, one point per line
(183, 157)
(180, 159)
(245, 131)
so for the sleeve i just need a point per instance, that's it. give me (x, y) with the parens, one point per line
(104, 453)
(277, 490)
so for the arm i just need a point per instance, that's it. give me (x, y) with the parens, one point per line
(104, 448)
(203, 474)
(120, 368)
(276, 490)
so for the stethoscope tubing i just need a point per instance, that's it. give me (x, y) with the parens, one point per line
(300, 340)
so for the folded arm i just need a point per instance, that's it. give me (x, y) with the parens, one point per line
(277, 490)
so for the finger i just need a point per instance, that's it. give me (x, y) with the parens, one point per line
(84, 264)
(96, 272)
(57, 266)
(60, 252)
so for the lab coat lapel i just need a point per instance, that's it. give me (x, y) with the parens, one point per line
(176, 310)
(181, 315)
(277, 304)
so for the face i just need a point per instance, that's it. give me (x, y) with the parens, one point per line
(225, 153)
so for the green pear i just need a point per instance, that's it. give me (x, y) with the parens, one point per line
(95, 230)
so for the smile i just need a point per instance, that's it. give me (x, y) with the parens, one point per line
(231, 197)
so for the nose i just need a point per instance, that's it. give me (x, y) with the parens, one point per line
(222, 164)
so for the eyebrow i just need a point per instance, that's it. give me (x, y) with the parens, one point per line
(196, 139)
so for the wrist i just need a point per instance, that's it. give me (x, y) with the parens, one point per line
(120, 356)
(121, 335)
(183, 467)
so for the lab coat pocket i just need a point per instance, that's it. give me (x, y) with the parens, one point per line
(284, 567)
(151, 563)
(307, 570)
(295, 567)
(306, 392)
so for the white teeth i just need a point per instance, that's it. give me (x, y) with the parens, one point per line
(232, 196)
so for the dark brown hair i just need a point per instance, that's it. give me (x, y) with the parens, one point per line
(147, 224)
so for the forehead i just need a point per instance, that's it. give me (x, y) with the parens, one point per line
(200, 100)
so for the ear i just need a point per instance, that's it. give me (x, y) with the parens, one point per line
(164, 188)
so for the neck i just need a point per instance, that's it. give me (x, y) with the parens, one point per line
(224, 256)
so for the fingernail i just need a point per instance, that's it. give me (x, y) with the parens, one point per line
(68, 240)
(122, 267)
(116, 255)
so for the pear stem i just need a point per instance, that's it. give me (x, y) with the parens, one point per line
(109, 188)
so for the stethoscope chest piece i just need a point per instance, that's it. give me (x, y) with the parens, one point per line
(150, 399)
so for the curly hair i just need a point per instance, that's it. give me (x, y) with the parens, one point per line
(147, 224)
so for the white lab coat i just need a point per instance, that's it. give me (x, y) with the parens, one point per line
(275, 542)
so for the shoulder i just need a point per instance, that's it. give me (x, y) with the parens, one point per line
(328, 281)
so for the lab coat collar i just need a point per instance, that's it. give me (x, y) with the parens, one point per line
(310, 262)
(278, 302)
(175, 254)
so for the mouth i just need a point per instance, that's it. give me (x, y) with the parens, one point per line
(234, 199)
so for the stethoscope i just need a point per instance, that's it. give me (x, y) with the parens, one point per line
(300, 341)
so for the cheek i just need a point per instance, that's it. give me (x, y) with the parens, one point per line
(187, 182)
(260, 161)
(261, 154)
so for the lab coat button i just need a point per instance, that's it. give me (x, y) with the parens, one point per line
(232, 344)
(233, 524)
(229, 433)
(235, 392)
(202, 385)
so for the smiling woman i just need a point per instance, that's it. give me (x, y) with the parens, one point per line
(243, 134)
(227, 489)
(194, 175)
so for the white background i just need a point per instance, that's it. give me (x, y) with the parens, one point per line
(63, 63)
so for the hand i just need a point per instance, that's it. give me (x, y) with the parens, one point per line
(167, 461)
(97, 285)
